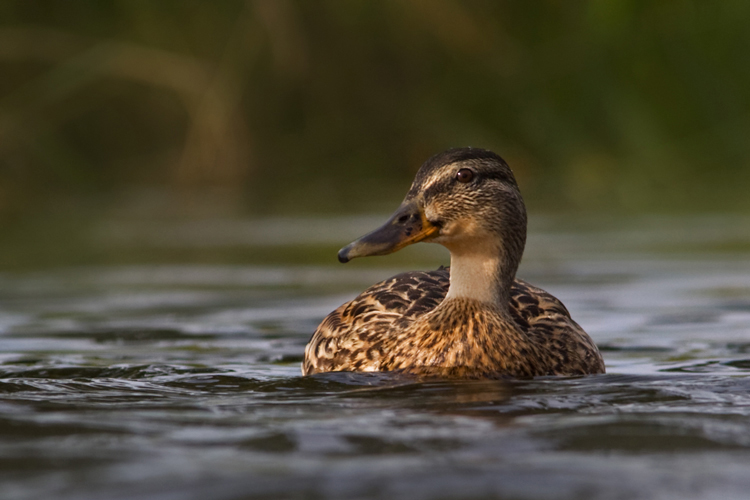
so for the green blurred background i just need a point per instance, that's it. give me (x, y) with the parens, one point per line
(136, 110)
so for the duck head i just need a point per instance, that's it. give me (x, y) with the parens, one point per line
(467, 200)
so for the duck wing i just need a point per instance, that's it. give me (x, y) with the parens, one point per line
(352, 337)
(566, 348)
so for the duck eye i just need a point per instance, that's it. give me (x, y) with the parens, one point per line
(464, 175)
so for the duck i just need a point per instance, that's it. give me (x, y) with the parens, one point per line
(472, 320)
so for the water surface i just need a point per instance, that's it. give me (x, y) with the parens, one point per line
(183, 381)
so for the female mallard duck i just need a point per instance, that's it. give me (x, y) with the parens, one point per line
(473, 320)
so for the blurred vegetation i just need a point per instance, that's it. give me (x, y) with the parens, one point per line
(282, 106)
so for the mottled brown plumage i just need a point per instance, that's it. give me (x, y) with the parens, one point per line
(473, 321)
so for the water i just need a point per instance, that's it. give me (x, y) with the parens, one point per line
(183, 381)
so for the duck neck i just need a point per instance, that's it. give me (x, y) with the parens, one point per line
(481, 273)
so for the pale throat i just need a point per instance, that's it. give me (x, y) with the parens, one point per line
(477, 275)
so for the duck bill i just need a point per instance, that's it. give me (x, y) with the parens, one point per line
(408, 225)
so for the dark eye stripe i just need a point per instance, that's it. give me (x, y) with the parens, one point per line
(500, 176)
(436, 188)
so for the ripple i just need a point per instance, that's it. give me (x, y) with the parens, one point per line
(162, 382)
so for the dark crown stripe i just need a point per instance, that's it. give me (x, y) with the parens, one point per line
(458, 155)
